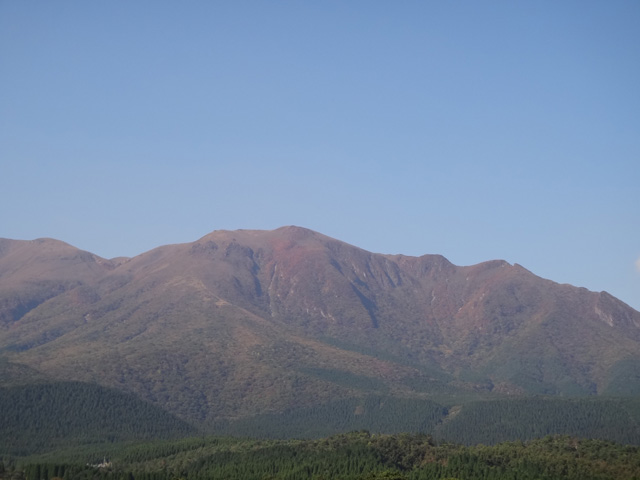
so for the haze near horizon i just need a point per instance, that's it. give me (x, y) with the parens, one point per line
(475, 131)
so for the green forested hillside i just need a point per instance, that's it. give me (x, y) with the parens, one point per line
(354, 456)
(46, 417)
(487, 421)
(379, 414)
(503, 420)
(42, 417)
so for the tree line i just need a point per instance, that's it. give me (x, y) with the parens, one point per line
(354, 456)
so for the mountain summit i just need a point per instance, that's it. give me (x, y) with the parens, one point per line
(245, 322)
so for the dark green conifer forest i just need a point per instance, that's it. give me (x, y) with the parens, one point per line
(80, 431)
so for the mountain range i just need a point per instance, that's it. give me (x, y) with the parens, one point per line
(243, 323)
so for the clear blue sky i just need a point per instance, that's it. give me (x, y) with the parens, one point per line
(476, 130)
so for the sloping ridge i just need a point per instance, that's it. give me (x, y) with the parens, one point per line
(32, 272)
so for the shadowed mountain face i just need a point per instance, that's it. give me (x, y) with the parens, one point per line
(246, 322)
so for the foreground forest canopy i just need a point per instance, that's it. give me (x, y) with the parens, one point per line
(353, 456)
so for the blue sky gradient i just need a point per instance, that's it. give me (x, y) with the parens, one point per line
(476, 130)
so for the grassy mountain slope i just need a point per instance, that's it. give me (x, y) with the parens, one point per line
(32, 272)
(258, 322)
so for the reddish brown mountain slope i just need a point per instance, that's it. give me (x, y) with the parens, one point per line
(251, 321)
(32, 272)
